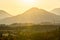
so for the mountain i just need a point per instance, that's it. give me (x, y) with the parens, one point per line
(4, 14)
(33, 15)
(56, 11)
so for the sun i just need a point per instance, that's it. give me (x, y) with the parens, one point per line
(28, 1)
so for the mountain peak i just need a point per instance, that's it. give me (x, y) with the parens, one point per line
(33, 15)
(33, 9)
(56, 8)
(2, 12)
(56, 11)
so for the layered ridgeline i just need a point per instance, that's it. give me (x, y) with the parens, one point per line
(34, 16)
(4, 14)
(56, 11)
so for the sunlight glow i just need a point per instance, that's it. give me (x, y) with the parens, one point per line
(28, 2)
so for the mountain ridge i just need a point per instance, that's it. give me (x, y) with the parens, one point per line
(33, 15)
(4, 14)
(56, 11)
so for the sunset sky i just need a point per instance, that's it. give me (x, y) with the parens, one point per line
(16, 7)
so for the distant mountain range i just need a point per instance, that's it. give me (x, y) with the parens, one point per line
(4, 14)
(56, 11)
(35, 16)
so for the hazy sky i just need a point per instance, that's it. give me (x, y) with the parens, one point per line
(15, 7)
